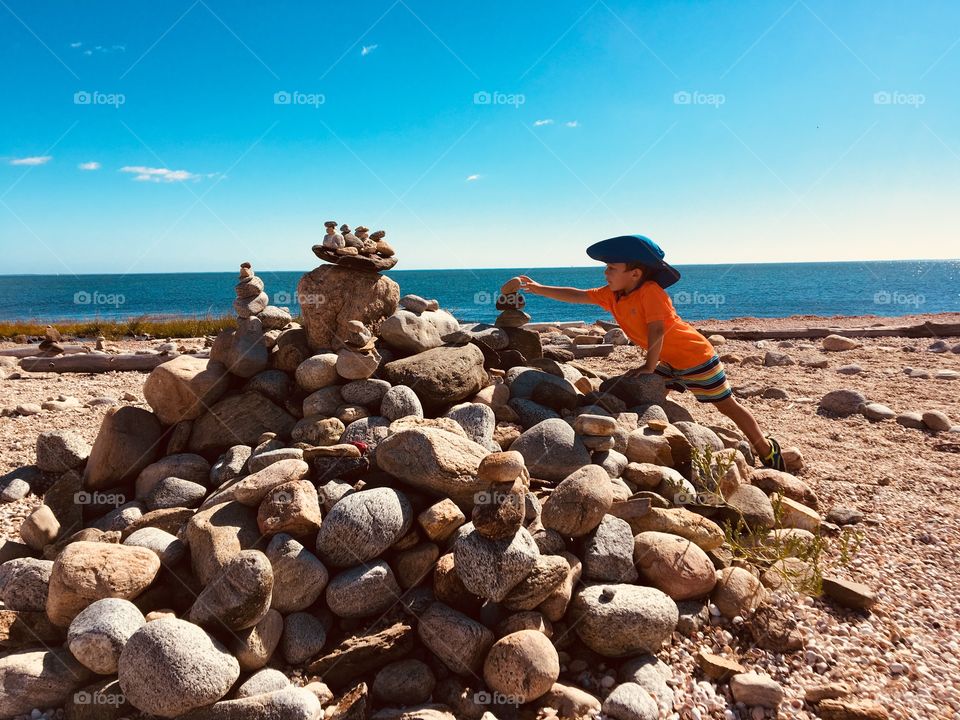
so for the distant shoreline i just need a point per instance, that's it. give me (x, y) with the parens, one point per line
(187, 326)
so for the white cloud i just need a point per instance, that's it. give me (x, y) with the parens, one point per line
(367, 49)
(573, 123)
(158, 175)
(538, 123)
(471, 178)
(38, 160)
(93, 165)
(76, 44)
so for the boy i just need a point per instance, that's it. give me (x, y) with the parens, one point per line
(634, 294)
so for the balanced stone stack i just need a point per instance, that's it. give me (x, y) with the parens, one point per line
(511, 303)
(360, 250)
(244, 352)
(427, 539)
(347, 288)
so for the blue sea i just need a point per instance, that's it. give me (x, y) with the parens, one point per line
(704, 291)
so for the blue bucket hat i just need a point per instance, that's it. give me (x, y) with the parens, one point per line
(635, 248)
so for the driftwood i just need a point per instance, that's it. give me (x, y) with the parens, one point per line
(921, 330)
(96, 362)
(35, 351)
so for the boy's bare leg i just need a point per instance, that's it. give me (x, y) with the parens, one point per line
(746, 422)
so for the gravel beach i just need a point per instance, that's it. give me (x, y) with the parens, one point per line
(905, 482)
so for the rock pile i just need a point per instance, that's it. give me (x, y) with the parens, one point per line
(359, 250)
(395, 517)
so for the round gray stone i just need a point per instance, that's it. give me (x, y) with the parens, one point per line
(169, 667)
(368, 393)
(299, 578)
(174, 492)
(492, 568)
(61, 450)
(24, 583)
(551, 450)
(99, 633)
(263, 681)
(362, 526)
(363, 590)
(169, 548)
(303, 637)
(476, 419)
(630, 701)
(400, 401)
(608, 552)
(619, 620)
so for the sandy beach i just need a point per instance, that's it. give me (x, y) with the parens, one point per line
(904, 482)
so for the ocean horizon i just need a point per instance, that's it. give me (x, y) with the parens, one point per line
(764, 290)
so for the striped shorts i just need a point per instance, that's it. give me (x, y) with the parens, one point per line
(707, 382)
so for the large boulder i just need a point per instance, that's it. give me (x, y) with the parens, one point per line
(552, 450)
(441, 376)
(38, 678)
(522, 665)
(492, 568)
(218, 534)
(412, 332)
(674, 564)
(238, 420)
(97, 635)
(578, 504)
(331, 296)
(89, 571)
(639, 390)
(128, 441)
(239, 596)
(183, 388)
(362, 525)
(434, 460)
(170, 666)
(620, 620)
(242, 351)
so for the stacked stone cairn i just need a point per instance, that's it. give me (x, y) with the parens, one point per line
(511, 303)
(403, 528)
(359, 249)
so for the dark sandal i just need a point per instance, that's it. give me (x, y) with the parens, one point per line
(774, 459)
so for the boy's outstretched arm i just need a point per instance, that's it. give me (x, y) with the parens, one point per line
(563, 294)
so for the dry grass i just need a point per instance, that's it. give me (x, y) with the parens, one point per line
(165, 327)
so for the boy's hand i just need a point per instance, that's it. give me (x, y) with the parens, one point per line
(529, 285)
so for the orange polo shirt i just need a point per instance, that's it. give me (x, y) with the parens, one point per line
(683, 346)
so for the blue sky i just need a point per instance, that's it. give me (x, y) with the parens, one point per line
(192, 135)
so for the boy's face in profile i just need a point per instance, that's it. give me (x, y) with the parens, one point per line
(619, 278)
